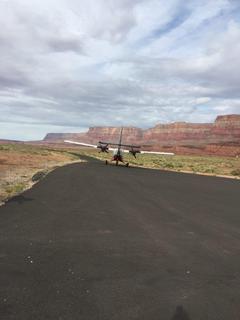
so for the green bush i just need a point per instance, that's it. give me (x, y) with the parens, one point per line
(169, 165)
(16, 188)
(235, 172)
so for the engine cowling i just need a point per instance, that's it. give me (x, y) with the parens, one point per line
(134, 152)
(103, 148)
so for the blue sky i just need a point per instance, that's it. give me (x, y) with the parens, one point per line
(66, 65)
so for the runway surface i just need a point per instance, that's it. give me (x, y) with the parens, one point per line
(102, 242)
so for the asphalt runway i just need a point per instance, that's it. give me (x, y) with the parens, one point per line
(102, 242)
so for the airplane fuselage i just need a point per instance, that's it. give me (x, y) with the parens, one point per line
(118, 152)
(117, 155)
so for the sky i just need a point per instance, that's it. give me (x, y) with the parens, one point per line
(66, 65)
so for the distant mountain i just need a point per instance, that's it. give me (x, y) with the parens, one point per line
(221, 137)
(4, 141)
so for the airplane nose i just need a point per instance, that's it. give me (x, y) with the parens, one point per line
(103, 148)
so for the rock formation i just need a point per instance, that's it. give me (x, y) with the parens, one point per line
(221, 137)
(7, 141)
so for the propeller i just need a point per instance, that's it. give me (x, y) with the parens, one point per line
(134, 152)
(103, 148)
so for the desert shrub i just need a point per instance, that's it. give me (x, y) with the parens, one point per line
(169, 165)
(235, 172)
(38, 176)
(179, 165)
(5, 147)
(208, 170)
(16, 188)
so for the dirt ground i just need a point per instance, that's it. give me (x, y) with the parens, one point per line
(18, 163)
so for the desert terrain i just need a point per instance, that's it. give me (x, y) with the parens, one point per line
(200, 148)
(20, 162)
(220, 138)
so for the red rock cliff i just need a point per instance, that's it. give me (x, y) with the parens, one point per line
(178, 132)
(181, 137)
(131, 134)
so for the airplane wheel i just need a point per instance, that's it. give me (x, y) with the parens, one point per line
(106, 162)
(127, 164)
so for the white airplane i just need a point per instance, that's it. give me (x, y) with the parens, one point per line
(118, 151)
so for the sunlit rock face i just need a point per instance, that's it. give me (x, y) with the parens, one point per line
(60, 137)
(178, 132)
(130, 134)
(95, 134)
(227, 128)
(221, 137)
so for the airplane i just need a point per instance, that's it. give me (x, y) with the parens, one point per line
(118, 151)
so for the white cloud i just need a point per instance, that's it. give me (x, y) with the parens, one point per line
(72, 64)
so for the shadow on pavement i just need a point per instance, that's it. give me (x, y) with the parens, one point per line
(84, 157)
(180, 314)
(20, 199)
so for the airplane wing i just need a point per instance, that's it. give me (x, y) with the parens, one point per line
(130, 146)
(121, 145)
(124, 150)
(150, 152)
(111, 143)
(81, 143)
(124, 145)
(86, 144)
(158, 152)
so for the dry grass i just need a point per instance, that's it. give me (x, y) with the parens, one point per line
(19, 162)
(209, 165)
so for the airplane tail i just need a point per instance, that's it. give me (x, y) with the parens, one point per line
(120, 139)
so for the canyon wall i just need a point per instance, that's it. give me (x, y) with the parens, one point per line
(224, 129)
(221, 137)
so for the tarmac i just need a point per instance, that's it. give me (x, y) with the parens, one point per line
(92, 241)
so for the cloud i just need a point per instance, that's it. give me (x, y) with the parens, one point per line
(67, 65)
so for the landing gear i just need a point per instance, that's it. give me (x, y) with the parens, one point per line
(106, 162)
(117, 163)
(127, 164)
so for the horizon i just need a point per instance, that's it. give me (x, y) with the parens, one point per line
(121, 126)
(66, 65)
